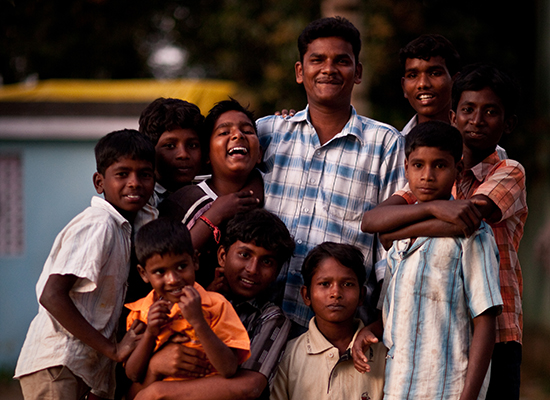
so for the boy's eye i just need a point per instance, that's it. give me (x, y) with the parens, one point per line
(244, 254)
(436, 73)
(410, 75)
(349, 284)
(159, 272)
(417, 165)
(181, 267)
(268, 261)
(194, 145)
(122, 174)
(169, 145)
(466, 110)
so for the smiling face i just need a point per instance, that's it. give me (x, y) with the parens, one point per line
(127, 184)
(431, 173)
(248, 269)
(334, 294)
(179, 158)
(169, 273)
(427, 85)
(480, 117)
(234, 146)
(328, 72)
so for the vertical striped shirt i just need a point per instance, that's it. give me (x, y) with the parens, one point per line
(435, 287)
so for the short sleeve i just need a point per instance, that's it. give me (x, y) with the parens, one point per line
(481, 271)
(268, 342)
(505, 185)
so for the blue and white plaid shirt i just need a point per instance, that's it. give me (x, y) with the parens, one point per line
(321, 192)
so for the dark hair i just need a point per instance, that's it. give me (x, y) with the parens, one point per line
(127, 143)
(479, 76)
(263, 229)
(162, 236)
(164, 115)
(216, 112)
(431, 45)
(435, 134)
(346, 254)
(330, 27)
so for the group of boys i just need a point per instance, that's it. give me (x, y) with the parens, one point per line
(330, 181)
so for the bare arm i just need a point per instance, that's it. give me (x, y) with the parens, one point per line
(222, 209)
(481, 351)
(394, 214)
(368, 335)
(136, 366)
(245, 385)
(55, 298)
(223, 358)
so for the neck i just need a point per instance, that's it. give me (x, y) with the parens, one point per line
(329, 121)
(222, 185)
(442, 116)
(473, 157)
(339, 334)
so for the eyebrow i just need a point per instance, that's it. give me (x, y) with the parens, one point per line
(229, 124)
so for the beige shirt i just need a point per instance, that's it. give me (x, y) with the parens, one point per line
(95, 247)
(311, 368)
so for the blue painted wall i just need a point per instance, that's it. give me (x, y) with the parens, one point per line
(57, 179)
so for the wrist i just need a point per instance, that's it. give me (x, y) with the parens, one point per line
(213, 227)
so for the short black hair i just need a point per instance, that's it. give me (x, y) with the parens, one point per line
(346, 254)
(167, 114)
(435, 134)
(427, 46)
(215, 112)
(263, 229)
(126, 143)
(162, 236)
(475, 77)
(330, 27)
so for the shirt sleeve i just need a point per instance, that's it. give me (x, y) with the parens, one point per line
(481, 271)
(268, 343)
(226, 324)
(505, 185)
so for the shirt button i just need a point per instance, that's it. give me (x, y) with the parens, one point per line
(306, 209)
(299, 241)
(330, 355)
(312, 180)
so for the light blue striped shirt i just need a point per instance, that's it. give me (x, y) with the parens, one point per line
(436, 287)
(321, 192)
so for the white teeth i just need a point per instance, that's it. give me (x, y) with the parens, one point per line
(133, 196)
(425, 96)
(247, 281)
(242, 150)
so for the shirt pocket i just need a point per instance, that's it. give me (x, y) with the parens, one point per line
(344, 197)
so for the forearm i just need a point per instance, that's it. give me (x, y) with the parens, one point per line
(430, 228)
(245, 385)
(137, 363)
(481, 350)
(222, 358)
(201, 233)
(392, 214)
(56, 299)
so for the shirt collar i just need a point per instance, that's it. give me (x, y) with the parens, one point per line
(353, 127)
(317, 343)
(480, 170)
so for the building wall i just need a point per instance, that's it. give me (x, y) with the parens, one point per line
(57, 185)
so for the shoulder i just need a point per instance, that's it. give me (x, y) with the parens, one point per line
(273, 126)
(178, 203)
(373, 127)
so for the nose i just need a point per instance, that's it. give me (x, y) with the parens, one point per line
(252, 266)
(172, 277)
(476, 118)
(237, 134)
(428, 174)
(424, 81)
(335, 291)
(182, 153)
(133, 180)
(328, 67)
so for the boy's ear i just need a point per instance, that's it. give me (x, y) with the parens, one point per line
(358, 73)
(362, 295)
(459, 169)
(143, 273)
(298, 70)
(510, 124)
(305, 295)
(452, 118)
(196, 259)
(406, 169)
(222, 254)
(403, 87)
(98, 182)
